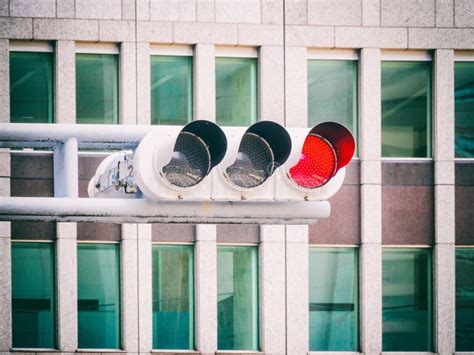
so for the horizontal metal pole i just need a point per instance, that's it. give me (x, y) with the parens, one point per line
(145, 211)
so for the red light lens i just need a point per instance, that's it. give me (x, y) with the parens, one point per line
(316, 165)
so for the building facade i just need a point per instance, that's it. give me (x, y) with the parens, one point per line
(392, 269)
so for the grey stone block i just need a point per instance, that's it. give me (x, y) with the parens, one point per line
(370, 12)
(16, 28)
(441, 38)
(116, 31)
(128, 95)
(371, 213)
(104, 9)
(444, 214)
(463, 13)
(444, 172)
(32, 8)
(4, 164)
(271, 77)
(128, 9)
(155, 32)
(4, 68)
(215, 33)
(4, 8)
(238, 11)
(444, 13)
(296, 87)
(330, 12)
(65, 77)
(204, 82)
(169, 10)
(371, 37)
(143, 9)
(65, 9)
(257, 35)
(296, 12)
(205, 11)
(56, 29)
(408, 13)
(5, 111)
(272, 12)
(143, 79)
(310, 36)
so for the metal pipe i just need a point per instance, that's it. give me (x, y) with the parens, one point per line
(145, 211)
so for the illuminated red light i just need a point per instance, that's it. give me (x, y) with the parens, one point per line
(328, 147)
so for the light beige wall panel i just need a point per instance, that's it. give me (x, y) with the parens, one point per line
(65, 78)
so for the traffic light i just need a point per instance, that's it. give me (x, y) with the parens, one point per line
(201, 161)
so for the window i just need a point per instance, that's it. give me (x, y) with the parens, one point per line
(31, 87)
(332, 92)
(171, 90)
(406, 109)
(173, 297)
(97, 88)
(236, 91)
(33, 295)
(98, 296)
(406, 299)
(237, 297)
(464, 108)
(465, 299)
(333, 299)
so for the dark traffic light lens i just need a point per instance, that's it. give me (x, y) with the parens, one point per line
(254, 162)
(190, 162)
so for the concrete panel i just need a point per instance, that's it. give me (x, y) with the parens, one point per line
(444, 172)
(407, 215)
(444, 292)
(173, 233)
(272, 12)
(128, 84)
(310, 36)
(272, 289)
(343, 226)
(463, 10)
(16, 28)
(296, 87)
(116, 31)
(129, 287)
(32, 187)
(371, 172)
(145, 299)
(169, 10)
(211, 33)
(464, 173)
(65, 9)
(143, 10)
(371, 298)
(155, 32)
(98, 231)
(238, 11)
(371, 37)
(104, 9)
(297, 290)
(66, 279)
(65, 78)
(31, 166)
(444, 13)
(5, 163)
(256, 35)
(407, 174)
(4, 81)
(128, 9)
(271, 88)
(234, 233)
(33, 230)
(5, 294)
(296, 12)
(338, 13)
(143, 81)
(370, 12)
(401, 13)
(205, 11)
(441, 38)
(444, 214)
(371, 213)
(4, 8)
(206, 289)
(204, 82)
(464, 215)
(33, 8)
(57, 29)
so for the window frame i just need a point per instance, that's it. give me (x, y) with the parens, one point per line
(388, 55)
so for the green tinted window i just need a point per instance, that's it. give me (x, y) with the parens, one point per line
(406, 300)
(98, 293)
(464, 106)
(406, 109)
(97, 88)
(236, 91)
(171, 90)
(237, 297)
(33, 300)
(31, 87)
(333, 299)
(332, 92)
(173, 296)
(465, 299)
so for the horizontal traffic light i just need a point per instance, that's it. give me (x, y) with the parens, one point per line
(201, 161)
